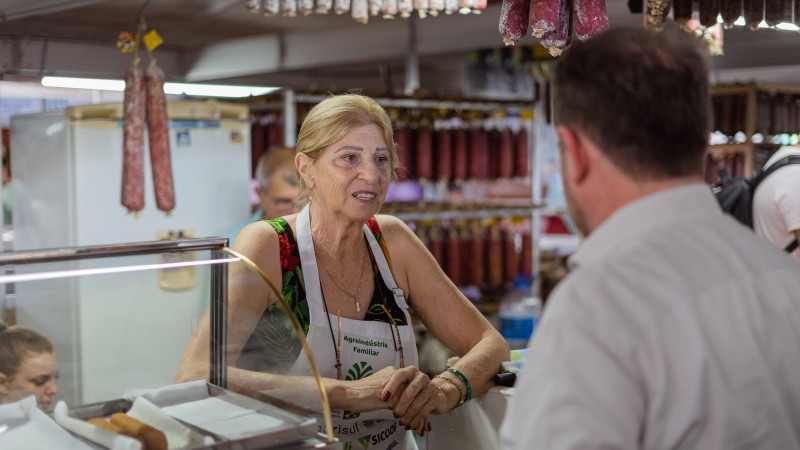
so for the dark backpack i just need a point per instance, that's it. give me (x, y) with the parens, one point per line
(736, 196)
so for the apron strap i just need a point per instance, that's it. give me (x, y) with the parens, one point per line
(383, 266)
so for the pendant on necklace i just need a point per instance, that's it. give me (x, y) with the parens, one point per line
(358, 307)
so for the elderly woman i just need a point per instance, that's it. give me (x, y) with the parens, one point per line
(350, 277)
(28, 366)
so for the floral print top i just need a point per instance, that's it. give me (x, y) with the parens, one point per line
(273, 347)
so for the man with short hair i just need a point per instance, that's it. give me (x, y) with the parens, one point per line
(277, 188)
(677, 327)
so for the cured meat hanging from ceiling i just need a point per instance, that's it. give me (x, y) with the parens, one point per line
(553, 22)
(362, 10)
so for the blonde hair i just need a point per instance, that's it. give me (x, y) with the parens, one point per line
(331, 119)
(15, 342)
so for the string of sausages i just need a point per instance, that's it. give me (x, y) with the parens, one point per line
(754, 12)
(145, 102)
(553, 22)
(362, 10)
(484, 253)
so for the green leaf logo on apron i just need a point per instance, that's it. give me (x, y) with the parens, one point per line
(357, 372)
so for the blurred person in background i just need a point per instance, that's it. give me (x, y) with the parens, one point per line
(776, 204)
(277, 189)
(677, 327)
(28, 366)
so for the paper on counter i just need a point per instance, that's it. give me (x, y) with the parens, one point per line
(178, 435)
(26, 427)
(223, 418)
(172, 394)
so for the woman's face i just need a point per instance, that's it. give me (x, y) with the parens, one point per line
(37, 376)
(351, 176)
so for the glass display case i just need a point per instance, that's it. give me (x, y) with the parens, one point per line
(120, 318)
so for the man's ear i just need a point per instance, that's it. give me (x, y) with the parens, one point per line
(4, 381)
(574, 152)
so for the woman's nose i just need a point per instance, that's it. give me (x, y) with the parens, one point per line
(51, 388)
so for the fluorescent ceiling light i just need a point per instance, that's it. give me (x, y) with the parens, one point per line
(84, 83)
(198, 90)
(787, 26)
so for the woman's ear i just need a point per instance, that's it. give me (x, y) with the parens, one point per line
(303, 165)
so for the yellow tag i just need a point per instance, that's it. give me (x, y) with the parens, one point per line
(127, 42)
(152, 40)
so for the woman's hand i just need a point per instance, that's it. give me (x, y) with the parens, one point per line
(412, 396)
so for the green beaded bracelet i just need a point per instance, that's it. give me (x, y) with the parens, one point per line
(465, 380)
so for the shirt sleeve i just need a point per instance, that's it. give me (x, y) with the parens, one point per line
(579, 388)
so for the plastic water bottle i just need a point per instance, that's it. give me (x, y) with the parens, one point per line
(520, 310)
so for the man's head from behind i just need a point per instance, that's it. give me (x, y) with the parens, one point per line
(277, 182)
(642, 96)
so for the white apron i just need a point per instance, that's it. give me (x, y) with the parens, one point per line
(366, 347)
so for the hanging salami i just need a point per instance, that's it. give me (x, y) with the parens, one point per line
(753, 13)
(323, 6)
(514, 20)
(360, 11)
(589, 17)
(341, 6)
(479, 154)
(436, 246)
(460, 155)
(158, 132)
(305, 7)
(402, 141)
(559, 38)
(444, 155)
(133, 139)
(454, 256)
(730, 10)
(681, 10)
(289, 8)
(543, 16)
(774, 12)
(375, 7)
(511, 265)
(424, 153)
(521, 153)
(505, 154)
(477, 255)
(656, 12)
(526, 258)
(494, 260)
(271, 7)
(709, 10)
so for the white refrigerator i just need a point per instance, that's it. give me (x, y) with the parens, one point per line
(114, 333)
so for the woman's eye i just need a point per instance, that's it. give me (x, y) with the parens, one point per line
(350, 158)
(382, 159)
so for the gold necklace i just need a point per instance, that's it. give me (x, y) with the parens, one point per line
(360, 281)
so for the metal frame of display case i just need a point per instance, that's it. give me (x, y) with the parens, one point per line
(219, 277)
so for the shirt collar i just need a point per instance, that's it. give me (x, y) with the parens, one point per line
(664, 208)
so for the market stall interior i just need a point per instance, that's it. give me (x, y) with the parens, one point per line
(479, 183)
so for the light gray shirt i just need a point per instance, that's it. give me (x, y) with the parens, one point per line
(677, 329)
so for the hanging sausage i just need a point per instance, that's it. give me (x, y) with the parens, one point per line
(158, 132)
(454, 256)
(477, 272)
(656, 12)
(402, 139)
(753, 13)
(560, 37)
(521, 154)
(505, 154)
(730, 10)
(510, 255)
(514, 20)
(774, 12)
(133, 139)
(444, 155)
(709, 10)
(494, 260)
(589, 18)
(460, 155)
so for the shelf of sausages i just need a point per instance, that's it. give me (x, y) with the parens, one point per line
(776, 113)
(465, 160)
(483, 253)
